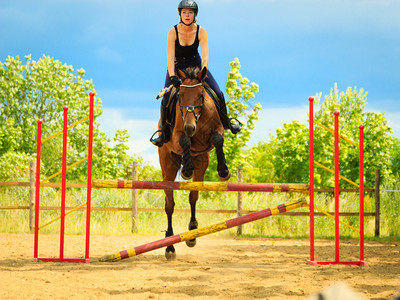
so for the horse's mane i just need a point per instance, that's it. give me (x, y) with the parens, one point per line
(191, 72)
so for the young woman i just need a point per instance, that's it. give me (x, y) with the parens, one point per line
(182, 52)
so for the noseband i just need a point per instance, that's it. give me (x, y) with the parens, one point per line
(192, 108)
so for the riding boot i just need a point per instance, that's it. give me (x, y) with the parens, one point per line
(161, 139)
(226, 121)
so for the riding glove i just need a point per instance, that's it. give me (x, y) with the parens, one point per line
(175, 81)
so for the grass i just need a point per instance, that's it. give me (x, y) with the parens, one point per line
(120, 223)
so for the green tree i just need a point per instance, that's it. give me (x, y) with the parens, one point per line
(260, 158)
(291, 159)
(292, 142)
(39, 90)
(240, 94)
(395, 157)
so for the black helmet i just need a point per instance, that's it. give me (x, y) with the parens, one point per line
(188, 4)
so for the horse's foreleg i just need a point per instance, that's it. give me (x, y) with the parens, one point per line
(223, 171)
(201, 163)
(193, 197)
(187, 166)
(169, 209)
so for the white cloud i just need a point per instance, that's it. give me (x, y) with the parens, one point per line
(393, 119)
(140, 131)
(270, 119)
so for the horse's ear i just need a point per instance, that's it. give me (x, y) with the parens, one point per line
(181, 74)
(203, 74)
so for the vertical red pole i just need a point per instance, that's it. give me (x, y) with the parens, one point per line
(89, 176)
(63, 181)
(37, 196)
(361, 162)
(336, 113)
(311, 144)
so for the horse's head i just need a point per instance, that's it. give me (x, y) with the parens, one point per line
(191, 99)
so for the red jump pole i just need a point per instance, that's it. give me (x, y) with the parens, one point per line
(37, 196)
(336, 113)
(89, 177)
(361, 174)
(311, 144)
(63, 181)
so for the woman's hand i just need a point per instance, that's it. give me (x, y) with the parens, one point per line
(176, 82)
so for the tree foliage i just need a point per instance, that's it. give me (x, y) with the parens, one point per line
(260, 167)
(377, 139)
(240, 92)
(39, 90)
(290, 159)
(395, 158)
(291, 155)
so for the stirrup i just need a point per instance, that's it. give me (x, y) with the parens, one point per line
(159, 140)
(235, 127)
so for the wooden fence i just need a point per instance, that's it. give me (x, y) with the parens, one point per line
(134, 209)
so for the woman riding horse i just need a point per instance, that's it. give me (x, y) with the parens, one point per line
(182, 52)
(198, 124)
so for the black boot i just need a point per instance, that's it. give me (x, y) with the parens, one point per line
(161, 139)
(226, 121)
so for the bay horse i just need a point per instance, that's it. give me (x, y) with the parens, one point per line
(198, 129)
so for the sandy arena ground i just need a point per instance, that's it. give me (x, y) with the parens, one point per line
(217, 268)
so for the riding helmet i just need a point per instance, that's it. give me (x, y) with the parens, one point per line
(188, 4)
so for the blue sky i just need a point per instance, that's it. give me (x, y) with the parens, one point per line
(292, 48)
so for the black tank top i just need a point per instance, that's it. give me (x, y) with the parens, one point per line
(186, 52)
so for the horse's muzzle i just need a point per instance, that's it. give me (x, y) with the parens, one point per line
(190, 129)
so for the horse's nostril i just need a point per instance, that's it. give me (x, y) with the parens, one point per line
(190, 130)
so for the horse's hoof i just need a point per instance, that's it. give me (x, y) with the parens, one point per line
(170, 256)
(191, 243)
(187, 177)
(226, 177)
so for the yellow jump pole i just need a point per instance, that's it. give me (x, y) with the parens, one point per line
(192, 234)
(203, 186)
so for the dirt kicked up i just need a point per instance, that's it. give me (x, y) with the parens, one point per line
(217, 268)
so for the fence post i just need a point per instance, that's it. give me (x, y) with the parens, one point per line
(134, 197)
(239, 199)
(377, 202)
(31, 194)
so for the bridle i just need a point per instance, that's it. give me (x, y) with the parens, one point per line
(192, 108)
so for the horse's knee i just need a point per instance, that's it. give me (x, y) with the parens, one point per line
(218, 140)
(222, 168)
(187, 169)
(184, 142)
